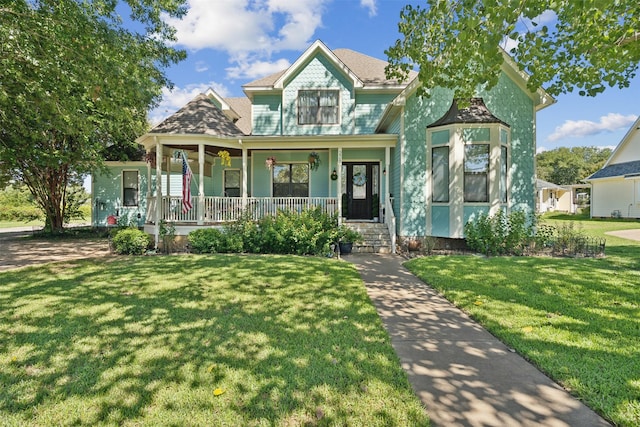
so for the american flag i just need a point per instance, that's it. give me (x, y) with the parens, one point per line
(186, 185)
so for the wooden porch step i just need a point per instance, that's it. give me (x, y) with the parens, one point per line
(376, 237)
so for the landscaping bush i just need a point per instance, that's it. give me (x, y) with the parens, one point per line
(309, 232)
(500, 234)
(131, 241)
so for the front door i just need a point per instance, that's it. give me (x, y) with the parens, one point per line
(361, 183)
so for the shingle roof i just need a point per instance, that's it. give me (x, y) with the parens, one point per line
(200, 116)
(477, 112)
(619, 169)
(368, 69)
(242, 106)
(541, 184)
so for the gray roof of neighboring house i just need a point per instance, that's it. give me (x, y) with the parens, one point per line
(199, 116)
(368, 69)
(477, 112)
(618, 169)
(542, 184)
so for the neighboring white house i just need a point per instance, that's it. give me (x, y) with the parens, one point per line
(615, 189)
(552, 197)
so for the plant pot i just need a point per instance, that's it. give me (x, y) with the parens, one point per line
(346, 247)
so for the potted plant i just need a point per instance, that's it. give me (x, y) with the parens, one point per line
(346, 237)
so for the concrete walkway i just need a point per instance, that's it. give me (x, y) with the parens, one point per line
(463, 375)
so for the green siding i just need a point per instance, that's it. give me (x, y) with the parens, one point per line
(107, 195)
(440, 221)
(266, 113)
(318, 179)
(369, 109)
(476, 134)
(472, 212)
(440, 137)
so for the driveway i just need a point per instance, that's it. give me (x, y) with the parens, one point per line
(18, 248)
(626, 234)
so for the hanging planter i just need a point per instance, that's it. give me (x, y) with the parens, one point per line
(270, 162)
(225, 158)
(314, 161)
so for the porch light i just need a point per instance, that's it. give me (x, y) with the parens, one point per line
(334, 175)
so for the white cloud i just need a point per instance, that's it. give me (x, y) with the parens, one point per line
(175, 99)
(201, 66)
(249, 26)
(247, 69)
(371, 5)
(580, 128)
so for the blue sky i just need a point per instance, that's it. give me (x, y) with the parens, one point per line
(232, 42)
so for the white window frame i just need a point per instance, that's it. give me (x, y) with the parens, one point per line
(224, 181)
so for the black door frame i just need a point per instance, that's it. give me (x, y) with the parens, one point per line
(362, 210)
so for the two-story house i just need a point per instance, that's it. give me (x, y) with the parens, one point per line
(332, 131)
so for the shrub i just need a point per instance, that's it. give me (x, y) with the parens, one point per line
(131, 241)
(309, 232)
(500, 234)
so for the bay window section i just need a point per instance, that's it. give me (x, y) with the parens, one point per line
(291, 180)
(440, 172)
(318, 107)
(476, 173)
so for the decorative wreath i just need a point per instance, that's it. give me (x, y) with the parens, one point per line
(359, 179)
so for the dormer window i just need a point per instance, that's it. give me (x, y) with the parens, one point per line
(318, 107)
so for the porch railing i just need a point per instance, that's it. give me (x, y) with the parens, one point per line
(226, 209)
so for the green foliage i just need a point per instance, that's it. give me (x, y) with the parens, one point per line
(131, 241)
(565, 166)
(16, 204)
(309, 232)
(500, 234)
(75, 84)
(590, 45)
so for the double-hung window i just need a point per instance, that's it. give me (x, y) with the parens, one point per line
(232, 183)
(476, 173)
(440, 171)
(291, 180)
(318, 107)
(130, 187)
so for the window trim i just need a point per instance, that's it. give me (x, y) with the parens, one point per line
(318, 115)
(137, 189)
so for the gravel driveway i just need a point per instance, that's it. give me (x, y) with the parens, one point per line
(20, 249)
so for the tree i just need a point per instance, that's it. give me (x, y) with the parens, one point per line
(566, 166)
(561, 44)
(74, 82)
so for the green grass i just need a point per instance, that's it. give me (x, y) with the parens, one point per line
(146, 341)
(578, 319)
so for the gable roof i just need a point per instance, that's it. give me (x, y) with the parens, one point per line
(200, 116)
(628, 139)
(477, 112)
(626, 169)
(364, 70)
(242, 106)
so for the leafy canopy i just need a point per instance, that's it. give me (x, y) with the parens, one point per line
(566, 166)
(74, 84)
(561, 44)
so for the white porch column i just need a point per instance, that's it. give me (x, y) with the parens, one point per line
(387, 160)
(339, 184)
(147, 158)
(169, 158)
(245, 162)
(158, 191)
(201, 184)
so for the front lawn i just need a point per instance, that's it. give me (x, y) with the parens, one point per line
(197, 340)
(578, 320)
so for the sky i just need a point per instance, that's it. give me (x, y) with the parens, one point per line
(232, 42)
